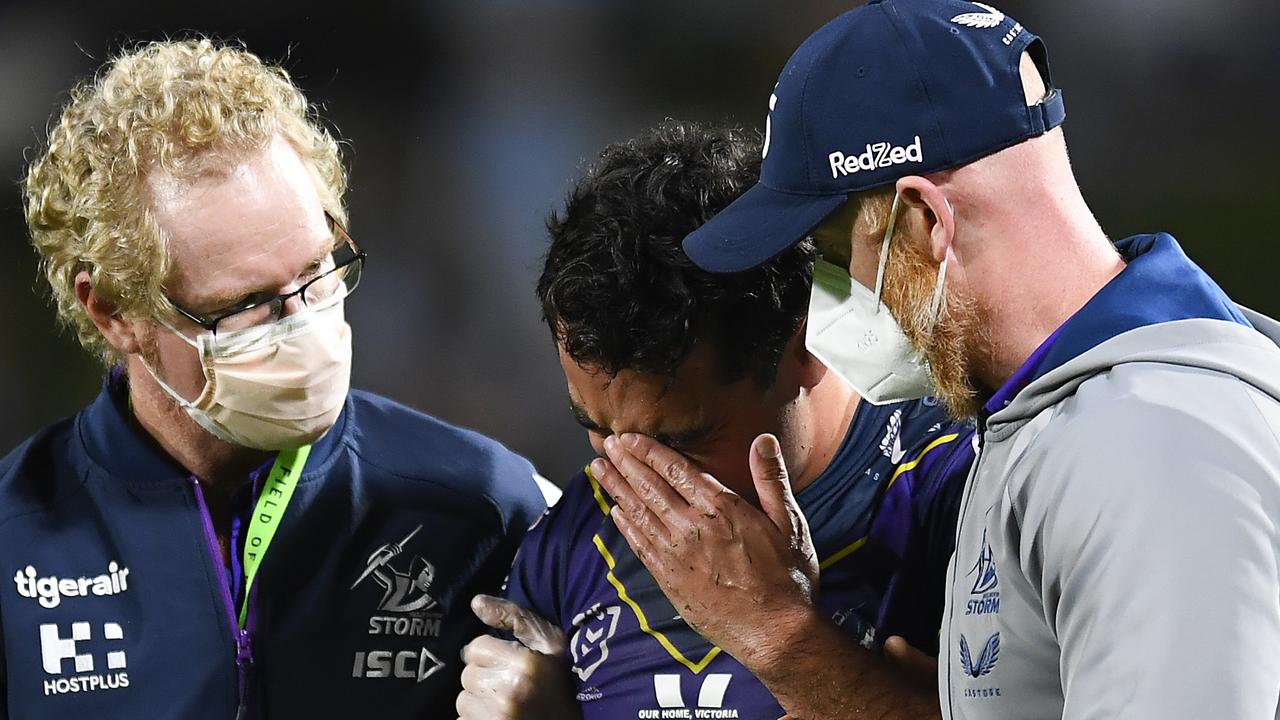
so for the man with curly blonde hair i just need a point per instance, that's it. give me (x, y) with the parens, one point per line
(228, 530)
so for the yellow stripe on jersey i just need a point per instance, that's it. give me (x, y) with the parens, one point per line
(671, 649)
(844, 552)
(595, 490)
(905, 467)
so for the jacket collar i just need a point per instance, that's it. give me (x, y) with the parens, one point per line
(115, 441)
(1159, 284)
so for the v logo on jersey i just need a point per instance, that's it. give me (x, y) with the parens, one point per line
(710, 695)
(989, 19)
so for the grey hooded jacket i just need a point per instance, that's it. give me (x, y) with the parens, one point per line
(1118, 547)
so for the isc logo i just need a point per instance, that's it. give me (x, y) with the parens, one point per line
(404, 664)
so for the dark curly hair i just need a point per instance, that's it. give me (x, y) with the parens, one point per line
(619, 293)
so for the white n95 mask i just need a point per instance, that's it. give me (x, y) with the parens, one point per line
(275, 386)
(852, 332)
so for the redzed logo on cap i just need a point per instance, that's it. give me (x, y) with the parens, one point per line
(876, 156)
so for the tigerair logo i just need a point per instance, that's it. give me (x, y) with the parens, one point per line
(874, 157)
(50, 590)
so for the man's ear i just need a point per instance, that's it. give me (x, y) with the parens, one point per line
(120, 332)
(811, 370)
(930, 210)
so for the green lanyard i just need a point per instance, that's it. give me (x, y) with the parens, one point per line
(272, 502)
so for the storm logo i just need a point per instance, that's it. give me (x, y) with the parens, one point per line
(985, 569)
(403, 592)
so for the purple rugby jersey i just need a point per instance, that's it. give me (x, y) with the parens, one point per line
(883, 522)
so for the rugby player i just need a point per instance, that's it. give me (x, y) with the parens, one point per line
(1118, 554)
(227, 531)
(704, 363)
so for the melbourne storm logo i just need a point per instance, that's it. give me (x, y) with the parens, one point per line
(984, 597)
(403, 592)
(985, 568)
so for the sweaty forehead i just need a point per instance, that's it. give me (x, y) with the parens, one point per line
(251, 226)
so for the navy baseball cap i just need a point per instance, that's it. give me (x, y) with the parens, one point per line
(891, 89)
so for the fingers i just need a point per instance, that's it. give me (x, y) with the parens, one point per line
(503, 680)
(494, 611)
(641, 543)
(488, 651)
(539, 634)
(480, 700)
(657, 492)
(530, 629)
(769, 473)
(773, 487)
(672, 470)
(916, 664)
(474, 707)
(627, 502)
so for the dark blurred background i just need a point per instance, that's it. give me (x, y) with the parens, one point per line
(467, 119)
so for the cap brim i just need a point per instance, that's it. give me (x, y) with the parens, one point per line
(757, 227)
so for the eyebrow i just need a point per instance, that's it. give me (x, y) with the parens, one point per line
(673, 439)
(228, 301)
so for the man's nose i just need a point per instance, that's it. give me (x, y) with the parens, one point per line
(293, 305)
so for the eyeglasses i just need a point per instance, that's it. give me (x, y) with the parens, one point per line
(340, 271)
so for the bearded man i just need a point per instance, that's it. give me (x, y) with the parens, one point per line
(1124, 401)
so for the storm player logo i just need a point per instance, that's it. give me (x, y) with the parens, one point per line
(403, 592)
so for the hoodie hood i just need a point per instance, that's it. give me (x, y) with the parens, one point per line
(1161, 308)
(1247, 353)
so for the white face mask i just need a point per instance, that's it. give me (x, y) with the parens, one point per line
(852, 332)
(275, 386)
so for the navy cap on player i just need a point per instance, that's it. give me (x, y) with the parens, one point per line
(894, 88)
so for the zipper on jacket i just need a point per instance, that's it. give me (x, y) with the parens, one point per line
(244, 646)
(970, 489)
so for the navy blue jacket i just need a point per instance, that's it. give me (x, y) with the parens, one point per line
(116, 604)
